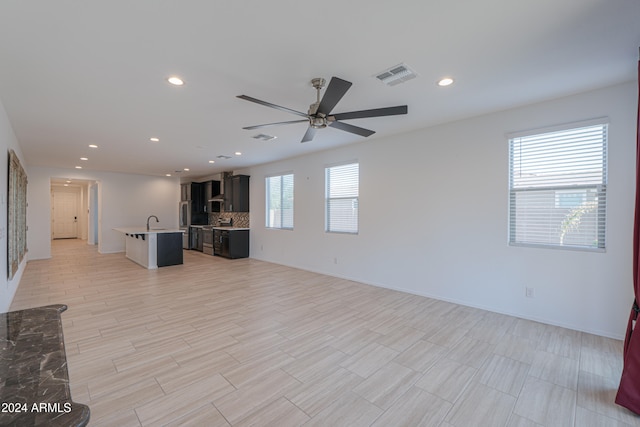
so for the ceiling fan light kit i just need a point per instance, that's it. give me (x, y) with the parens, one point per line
(319, 115)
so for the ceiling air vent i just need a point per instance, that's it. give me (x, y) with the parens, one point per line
(222, 156)
(264, 137)
(396, 75)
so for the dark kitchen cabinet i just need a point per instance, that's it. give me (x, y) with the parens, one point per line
(231, 243)
(199, 214)
(236, 193)
(169, 249)
(239, 244)
(207, 190)
(195, 233)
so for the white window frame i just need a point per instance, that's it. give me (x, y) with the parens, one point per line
(546, 166)
(337, 191)
(276, 218)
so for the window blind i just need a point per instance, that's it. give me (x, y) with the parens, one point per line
(279, 198)
(557, 188)
(342, 188)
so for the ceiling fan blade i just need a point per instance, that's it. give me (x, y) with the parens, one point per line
(353, 129)
(334, 93)
(376, 112)
(275, 124)
(309, 134)
(268, 104)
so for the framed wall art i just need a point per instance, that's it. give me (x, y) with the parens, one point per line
(16, 215)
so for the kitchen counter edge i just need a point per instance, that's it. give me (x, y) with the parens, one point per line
(143, 230)
(217, 227)
(230, 228)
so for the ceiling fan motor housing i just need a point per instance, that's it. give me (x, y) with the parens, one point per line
(318, 122)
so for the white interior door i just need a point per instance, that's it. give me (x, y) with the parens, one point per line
(65, 214)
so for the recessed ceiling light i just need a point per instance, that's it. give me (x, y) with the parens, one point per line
(168, 174)
(186, 169)
(177, 81)
(238, 153)
(445, 81)
(66, 185)
(93, 146)
(83, 158)
(212, 161)
(68, 181)
(78, 167)
(154, 139)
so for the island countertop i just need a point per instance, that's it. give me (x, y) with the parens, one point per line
(143, 230)
(152, 248)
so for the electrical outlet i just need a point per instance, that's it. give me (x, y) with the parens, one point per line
(528, 292)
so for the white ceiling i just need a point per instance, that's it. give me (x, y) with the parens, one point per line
(74, 73)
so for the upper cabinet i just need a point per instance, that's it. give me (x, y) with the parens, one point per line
(199, 195)
(199, 214)
(236, 193)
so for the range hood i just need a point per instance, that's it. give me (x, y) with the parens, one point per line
(220, 197)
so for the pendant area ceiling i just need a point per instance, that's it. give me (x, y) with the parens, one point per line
(77, 73)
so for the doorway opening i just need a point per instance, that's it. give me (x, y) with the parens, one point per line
(74, 210)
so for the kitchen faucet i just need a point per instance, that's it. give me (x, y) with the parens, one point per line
(151, 216)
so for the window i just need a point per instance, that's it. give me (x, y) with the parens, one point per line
(342, 186)
(279, 196)
(557, 187)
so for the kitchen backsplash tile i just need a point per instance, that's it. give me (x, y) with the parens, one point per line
(240, 219)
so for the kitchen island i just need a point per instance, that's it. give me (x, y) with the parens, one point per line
(153, 248)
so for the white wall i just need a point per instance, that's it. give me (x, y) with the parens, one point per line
(8, 141)
(125, 200)
(433, 218)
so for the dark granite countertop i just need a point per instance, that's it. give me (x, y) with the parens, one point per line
(34, 381)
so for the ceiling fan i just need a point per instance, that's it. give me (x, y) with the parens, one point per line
(319, 115)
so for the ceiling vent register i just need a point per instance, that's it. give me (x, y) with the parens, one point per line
(264, 137)
(396, 75)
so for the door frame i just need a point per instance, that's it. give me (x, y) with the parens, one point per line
(75, 190)
(90, 207)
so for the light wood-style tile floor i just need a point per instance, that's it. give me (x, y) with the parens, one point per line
(219, 342)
